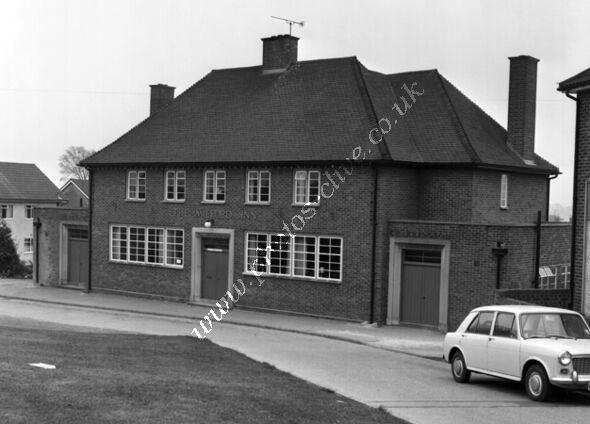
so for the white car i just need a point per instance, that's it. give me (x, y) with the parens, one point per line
(539, 346)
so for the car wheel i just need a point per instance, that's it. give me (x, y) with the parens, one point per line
(460, 372)
(537, 384)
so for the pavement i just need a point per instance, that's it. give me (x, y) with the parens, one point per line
(404, 339)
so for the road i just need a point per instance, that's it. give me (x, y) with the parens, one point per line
(416, 389)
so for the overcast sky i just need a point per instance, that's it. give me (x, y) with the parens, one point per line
(77, 72)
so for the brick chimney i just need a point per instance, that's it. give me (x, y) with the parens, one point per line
(161, 95)
(522, 99)
(278, 52)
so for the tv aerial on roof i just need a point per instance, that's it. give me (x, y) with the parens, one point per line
(290, 22)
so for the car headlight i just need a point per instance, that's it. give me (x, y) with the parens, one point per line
(565, 358)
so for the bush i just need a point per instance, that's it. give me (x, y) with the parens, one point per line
(10, 263)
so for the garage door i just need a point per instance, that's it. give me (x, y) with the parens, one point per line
(420, 291)
(77, 256)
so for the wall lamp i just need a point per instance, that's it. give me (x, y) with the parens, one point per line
(209, 223)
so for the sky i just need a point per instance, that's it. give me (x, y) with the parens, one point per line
(78, 72)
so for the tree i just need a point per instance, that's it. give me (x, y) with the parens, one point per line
(68, 163)
(10, 265)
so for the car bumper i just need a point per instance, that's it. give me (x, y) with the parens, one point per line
(573, 381)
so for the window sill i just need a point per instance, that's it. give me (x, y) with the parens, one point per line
(173, 201)
(292, 277)
(212, 202)
(135, 200)
(315, 205)
(503, 209)
(111, 261)
(256, 203)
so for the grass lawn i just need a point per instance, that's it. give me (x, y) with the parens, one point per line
(122, 378)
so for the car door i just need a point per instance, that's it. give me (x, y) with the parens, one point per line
(474, 342)
(504, 346)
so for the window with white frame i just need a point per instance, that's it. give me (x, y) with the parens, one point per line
(28, 245)
(306, 187)
(314, 257)
(214, 186)
(504, 191)
(29, 211)
(258, 187)
(175, 186)
(147, 245)
(136, 185)
(7, 211)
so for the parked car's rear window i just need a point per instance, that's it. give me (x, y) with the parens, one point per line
(482, 324)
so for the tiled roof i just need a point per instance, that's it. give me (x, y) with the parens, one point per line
(82, 185)
(25, 182)
(580, 80)
(315, 111)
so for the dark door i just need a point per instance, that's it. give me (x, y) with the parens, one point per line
(420, 286)
(214, 264)
(77, 256)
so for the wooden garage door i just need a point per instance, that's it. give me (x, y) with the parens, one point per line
(77, 256)
(420, 286)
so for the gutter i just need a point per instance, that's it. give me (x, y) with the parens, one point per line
(37, 225)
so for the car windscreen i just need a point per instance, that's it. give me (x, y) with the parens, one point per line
(542, 325)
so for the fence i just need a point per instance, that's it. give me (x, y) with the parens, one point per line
(554, 276)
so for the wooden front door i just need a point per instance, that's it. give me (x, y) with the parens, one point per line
(420, 291)
(215, 260)
(77, 256)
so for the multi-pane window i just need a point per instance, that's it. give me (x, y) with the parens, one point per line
(174, 247)
(504, 191)
(28, 245)
(147, 245)
(175, 185)
(7, 211)
(136, 185)
(29, 211)
(258, 187)
(214, 187)
(316, 257)
(306, 188)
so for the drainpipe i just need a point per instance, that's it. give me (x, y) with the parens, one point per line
(90, 204)
(37, 225)
(374, 247)
(537, 251)
(574, 205)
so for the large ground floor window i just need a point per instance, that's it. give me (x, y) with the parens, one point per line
(306, 256)
(147, 245)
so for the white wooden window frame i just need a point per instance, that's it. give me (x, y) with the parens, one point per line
(7, 211)
(218, 179)
(178, 177)
(305, 177)
(28, 245)
(263, 269)
(253, 197)
(28, 211)
(168, 246)
(504, 191)
(137, 179)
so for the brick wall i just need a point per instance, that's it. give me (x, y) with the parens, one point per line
(527, 194)
(48, 244)
(73, 197)
(472, 275)
(556, 298)
(582, 163)
(346, 214)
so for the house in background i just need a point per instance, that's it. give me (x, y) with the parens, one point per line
(23, 187)
(74, 193)
(351, 193)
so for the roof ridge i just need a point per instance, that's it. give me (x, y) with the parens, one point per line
(465, 139)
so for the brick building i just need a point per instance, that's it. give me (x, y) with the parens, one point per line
(74, 193)
(352, 193)
(578, 89)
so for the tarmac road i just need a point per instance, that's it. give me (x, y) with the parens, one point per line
(416, 389)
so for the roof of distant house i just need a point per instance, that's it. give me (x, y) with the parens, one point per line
(317, 111)
(25, 182)
(81, 185)
(579, 80)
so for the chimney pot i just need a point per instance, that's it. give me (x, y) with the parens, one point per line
(161, 95)
(278, 52)
(522, 100)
